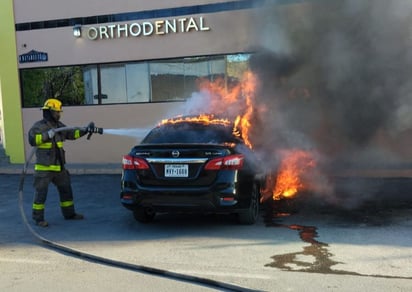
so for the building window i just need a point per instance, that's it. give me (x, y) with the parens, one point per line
(134, 82)
(176, 79)
(65, 83)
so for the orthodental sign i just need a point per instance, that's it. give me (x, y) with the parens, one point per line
(147, 28)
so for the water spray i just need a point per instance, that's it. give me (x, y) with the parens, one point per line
(128, 132)
(134, 133)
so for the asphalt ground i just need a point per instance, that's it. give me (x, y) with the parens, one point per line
(360, 237)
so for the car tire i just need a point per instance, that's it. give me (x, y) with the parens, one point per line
(251, 215)
(144, 215)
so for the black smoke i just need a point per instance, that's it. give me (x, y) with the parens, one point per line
(335, 78)
(337, 74)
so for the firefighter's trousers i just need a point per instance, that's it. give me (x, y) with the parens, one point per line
(61, 180)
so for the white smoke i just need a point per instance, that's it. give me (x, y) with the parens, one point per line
(198, 103)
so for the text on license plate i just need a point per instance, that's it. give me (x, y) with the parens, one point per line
(176, 170)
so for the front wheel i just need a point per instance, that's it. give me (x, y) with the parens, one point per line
(143, 215)
(250, 216)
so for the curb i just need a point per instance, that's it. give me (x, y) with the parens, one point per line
(74, 169)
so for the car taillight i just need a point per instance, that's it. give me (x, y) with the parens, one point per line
(231, 162)
(130, 162)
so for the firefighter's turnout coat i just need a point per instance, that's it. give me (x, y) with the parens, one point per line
(50, 155)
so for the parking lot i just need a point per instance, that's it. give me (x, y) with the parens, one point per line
(309, 245)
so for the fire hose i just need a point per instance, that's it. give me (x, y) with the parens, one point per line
(110, 262)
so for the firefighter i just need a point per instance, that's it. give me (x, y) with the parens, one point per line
(50, 161)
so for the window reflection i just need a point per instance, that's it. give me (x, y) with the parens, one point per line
(135, 82)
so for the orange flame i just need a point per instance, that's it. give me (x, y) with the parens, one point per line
(221, 94)
(290, 179)
(202, 118)
(237, 102)
(249, 85)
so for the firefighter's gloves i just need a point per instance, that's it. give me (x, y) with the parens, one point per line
(51, 133)
(91, 129)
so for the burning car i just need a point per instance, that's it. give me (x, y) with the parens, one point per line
(192, 164)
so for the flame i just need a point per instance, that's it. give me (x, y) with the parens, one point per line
(291, 176)
(206, 119)
(243, 122)
(237, 101)
(222, 96)
(244, 125)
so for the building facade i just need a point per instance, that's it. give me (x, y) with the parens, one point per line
(126, 65)
(135, 62)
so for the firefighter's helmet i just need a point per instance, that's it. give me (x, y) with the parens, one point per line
(53, 104)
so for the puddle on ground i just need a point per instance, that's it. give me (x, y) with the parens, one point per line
(314, 258)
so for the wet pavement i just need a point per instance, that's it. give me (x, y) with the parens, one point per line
(359, 202)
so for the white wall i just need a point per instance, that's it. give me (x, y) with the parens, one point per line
(230, 32)
(39, 10)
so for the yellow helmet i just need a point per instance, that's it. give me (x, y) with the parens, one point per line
(53, 104)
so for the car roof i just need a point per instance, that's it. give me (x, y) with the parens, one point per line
(188, 130)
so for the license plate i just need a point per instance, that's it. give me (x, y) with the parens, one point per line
(176, 170)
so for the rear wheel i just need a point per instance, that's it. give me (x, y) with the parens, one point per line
(144, 215)
(250, 216)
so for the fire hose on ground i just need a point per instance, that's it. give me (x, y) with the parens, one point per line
(110, 262)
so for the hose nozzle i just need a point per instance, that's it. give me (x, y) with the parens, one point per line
(91, 129)
(99, 130)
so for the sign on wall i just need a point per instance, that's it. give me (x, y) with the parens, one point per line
(147, 28)
(33, 56)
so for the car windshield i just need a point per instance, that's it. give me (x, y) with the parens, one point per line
(190, 133)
